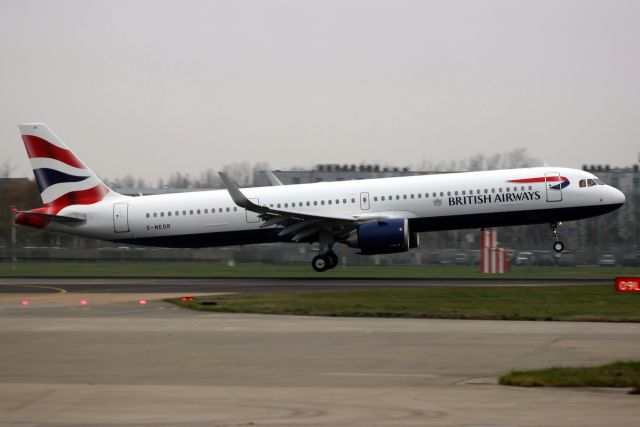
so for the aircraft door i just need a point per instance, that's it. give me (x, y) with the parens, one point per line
(253, 217)
(364, 201)
(553, 186)
(120, 217)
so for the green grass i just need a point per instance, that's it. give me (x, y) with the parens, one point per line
(567, 303)
(209, 269)
(618, 374)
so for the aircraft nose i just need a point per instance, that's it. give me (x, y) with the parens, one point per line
(618, 196)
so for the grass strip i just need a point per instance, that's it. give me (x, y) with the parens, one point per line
(163, 268)
(618, 374)
(567, 303)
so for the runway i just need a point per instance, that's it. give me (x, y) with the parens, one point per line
(253, 285)
(115, 362)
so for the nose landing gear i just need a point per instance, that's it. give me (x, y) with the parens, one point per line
(558, 246)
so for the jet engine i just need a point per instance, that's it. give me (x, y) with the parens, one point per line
(383, 237)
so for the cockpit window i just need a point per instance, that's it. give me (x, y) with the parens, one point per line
(590, 182)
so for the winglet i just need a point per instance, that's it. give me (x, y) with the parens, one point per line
(273, 179)
(237, 196)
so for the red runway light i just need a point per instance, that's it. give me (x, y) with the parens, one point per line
(84, 302)
(186, 299)
(25, 302)
(142, 301)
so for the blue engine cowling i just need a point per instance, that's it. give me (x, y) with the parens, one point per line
(381, 237)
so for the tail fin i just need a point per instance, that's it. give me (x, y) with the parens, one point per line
(61, 177)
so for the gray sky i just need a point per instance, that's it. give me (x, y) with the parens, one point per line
(153, 87)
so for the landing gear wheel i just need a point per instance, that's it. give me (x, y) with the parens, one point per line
(332, 259)
(320, 263)
(558, 246)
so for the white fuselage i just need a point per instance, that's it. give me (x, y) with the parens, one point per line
(429, 202)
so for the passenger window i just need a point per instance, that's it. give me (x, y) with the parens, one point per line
(530, 187)
(441, 194)
(448, 193)
(235, 209)
(322, 202)
(191, 212)
(455, 193)
(315, 203)
(375, 199)
(198, 211)
(177, 213)
(412, 196)
(286, 205)
(308, 204)
(508, 189)
(420, 195)
(169, 213)
(228, 209)
(148, 215)
(397, 197)
(486, 191)
(220, 210)
(184, 212)
(463, 192)
(344, 201)
(404, 196)
(337, 201)
(329, 201)
(155, 215)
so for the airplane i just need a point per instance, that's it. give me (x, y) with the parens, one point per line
(377, 216)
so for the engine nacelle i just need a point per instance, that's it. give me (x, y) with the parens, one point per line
(381, 237)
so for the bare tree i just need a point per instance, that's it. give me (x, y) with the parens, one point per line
(7, 168)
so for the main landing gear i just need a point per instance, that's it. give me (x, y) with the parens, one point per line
(327, 259)
(324, 262)
(558, 246)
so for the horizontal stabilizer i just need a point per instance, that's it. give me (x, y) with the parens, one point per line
(54, 218)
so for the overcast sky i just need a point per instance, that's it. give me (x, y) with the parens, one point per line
(152, 87)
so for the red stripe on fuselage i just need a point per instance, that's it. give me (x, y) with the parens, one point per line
(38, 147)
(539, 179)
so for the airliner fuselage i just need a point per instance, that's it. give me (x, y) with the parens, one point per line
(375, 215)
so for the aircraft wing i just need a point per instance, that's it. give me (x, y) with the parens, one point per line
(303, 224)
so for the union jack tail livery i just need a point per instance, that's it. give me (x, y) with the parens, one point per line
(62, 178)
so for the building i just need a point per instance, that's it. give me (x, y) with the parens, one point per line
(336, 172)
(620, 229)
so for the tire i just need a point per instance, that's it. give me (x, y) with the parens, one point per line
(558, 246)
(320, 263)
(332, 259)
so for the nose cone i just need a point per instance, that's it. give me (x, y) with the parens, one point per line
(617, 196)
